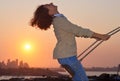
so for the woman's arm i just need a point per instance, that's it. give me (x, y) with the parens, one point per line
(78, 31)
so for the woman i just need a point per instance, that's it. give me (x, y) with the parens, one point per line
(65, 50)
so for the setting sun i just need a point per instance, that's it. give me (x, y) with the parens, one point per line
(27, 47)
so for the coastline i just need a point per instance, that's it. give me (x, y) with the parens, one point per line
(48, 74)
(101, 77)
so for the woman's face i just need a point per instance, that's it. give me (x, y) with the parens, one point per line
(52, 8)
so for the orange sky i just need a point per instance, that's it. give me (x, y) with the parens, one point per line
(100, 16)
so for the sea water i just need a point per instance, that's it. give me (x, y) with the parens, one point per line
(98, 73)
(93, 73)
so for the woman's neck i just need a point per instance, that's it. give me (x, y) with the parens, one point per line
(56, 12)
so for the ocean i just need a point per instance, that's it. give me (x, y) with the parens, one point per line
(89, 73)
(94, 73)
(98, 73)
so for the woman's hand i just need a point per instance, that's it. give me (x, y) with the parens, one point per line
(98, 36)
(105, 37)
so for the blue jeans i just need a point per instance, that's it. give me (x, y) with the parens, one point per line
(76, 66)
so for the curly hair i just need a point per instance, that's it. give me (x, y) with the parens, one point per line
(41, 18)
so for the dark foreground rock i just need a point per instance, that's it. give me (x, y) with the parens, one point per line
(102, 77)
(39, 79)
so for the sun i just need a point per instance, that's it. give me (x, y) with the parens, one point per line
(27, 47)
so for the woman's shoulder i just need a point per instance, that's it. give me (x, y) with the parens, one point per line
(59, 18)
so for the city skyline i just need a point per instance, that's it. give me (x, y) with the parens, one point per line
(13, 64)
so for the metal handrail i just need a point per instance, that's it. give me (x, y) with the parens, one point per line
(114, 31)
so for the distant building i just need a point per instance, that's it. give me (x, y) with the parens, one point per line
(23, 65)
(2, 64)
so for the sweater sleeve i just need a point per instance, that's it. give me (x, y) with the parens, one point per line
(67, 26)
